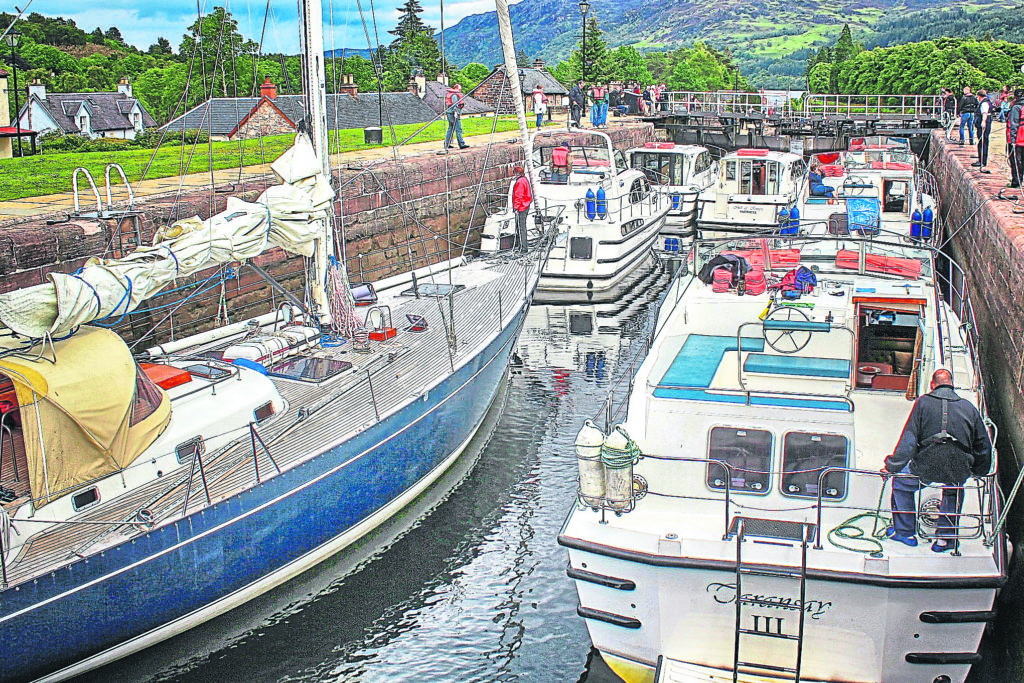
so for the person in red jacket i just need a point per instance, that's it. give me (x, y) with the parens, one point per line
(522, 197)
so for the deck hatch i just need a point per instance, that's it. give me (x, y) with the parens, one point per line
(770, 528)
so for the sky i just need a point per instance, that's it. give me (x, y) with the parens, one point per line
(141, 23)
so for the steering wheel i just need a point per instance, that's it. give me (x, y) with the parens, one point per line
(787, 341)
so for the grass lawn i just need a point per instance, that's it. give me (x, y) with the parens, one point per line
(51, 173)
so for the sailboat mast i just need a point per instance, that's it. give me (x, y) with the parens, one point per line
(508, 50)
(314, 88)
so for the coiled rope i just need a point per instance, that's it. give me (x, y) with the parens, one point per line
(850, 535)
(618, 459)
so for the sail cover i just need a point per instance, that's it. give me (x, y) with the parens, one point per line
(90, 413)
(290, 215)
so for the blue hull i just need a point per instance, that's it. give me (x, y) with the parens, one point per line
(97, 604)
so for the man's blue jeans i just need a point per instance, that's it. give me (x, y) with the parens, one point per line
(454, 126)
(904, 507)
(967, 120)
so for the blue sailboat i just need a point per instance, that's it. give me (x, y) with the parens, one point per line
(152, 491)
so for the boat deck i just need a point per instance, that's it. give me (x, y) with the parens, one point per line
(318, 415)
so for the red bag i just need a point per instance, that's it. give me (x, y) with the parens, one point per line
(1019, 142)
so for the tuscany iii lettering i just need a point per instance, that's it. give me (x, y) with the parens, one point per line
(725, 594)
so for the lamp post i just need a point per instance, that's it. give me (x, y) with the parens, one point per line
(12, 38)
(584, 8)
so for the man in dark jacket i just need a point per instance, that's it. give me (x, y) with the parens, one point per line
(944, 442)
(577, 102)
(967, 107)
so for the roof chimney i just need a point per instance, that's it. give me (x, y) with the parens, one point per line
(418, 83)
(124, 87)
(37, 88)
(442, 78)
(268, 89)
(538, 63)
(348, 85)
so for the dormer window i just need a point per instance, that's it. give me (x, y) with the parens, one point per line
(83, 123)
(137, 120)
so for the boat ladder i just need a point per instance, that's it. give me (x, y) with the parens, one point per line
(762, 613)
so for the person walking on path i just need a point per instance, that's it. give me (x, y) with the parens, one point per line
(945, 441)
(967, 107)
(540, 104)
(522, 197)
(454, 103)
(599, 112)
(984, 130)
(577, 102)
(1015, 139)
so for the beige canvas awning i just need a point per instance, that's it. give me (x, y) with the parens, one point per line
(89, 414)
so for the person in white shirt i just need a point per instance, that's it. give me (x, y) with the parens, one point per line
(540, 104)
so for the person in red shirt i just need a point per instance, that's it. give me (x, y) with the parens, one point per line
(522, 197)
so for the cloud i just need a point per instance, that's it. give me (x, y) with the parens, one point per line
(141, 23)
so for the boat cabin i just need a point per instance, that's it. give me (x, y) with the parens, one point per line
(754, 186)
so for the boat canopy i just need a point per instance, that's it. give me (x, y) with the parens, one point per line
(285, 216)
(87, 414)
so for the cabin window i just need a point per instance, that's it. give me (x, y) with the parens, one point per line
(208, 371)
(748, 454)
(264, 411)
(805, 456)
(773, 178)
(894, 196)
(759, 177)
(85, 498)
(187, 451)
(730, 170)
(887, 347)
(581, 248)
(620, 161)
(747, 178)
(636, 191)
(799, 170)
(702, 164)
(147, 397)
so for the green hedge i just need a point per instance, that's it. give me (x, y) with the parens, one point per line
(59, 143)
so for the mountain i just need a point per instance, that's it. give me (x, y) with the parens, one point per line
(348, 52)
(769, 39)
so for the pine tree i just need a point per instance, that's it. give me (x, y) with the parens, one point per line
(114, 34)
(598, 57)
(409, 21)
(845, 48)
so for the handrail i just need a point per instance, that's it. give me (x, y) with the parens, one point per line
(986, 483)
(124, 179)
(92, 185)
(826, 104)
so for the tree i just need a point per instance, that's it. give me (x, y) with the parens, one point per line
(218, 49)
(471, 75)
(629, 65)
(409, 21)
(114, 34)
(162, 46)
(412, 51)
(820, 77)
(96, 37)
(598, 56)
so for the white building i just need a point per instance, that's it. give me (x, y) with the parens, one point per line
(95, 114)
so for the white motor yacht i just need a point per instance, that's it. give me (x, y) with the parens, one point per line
(733, 526)
(684, 171)
(609, 214)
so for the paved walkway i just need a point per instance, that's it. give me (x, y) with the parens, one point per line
(19, 209)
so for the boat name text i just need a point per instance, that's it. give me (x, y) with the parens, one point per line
(725, 594)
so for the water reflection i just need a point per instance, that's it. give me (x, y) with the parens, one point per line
(477, 591)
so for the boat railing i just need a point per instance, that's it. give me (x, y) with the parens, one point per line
(953, 288)
(617, 400)
(633, 205)
(913, 106)
(966, 525)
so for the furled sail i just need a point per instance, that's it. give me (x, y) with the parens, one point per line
(290, 215)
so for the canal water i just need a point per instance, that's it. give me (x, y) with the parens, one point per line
(476, 590)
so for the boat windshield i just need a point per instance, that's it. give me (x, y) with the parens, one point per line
(663, 167)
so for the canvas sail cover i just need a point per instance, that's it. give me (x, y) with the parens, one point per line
(290, 215)
(87, 415)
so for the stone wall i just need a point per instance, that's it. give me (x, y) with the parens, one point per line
(988, 241)
(394, 214)
(266, 119)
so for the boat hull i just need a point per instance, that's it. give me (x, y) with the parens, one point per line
(856, 630)
(186, 572)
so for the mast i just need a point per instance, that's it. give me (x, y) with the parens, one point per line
(508, 50)
(315, 92)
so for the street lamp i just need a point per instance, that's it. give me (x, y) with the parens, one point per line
(584, 8)
(12, 38)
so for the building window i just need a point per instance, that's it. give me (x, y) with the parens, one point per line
(137, 120)
(83, 123)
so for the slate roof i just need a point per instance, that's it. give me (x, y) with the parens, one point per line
(436, 92)
(107, 110)
(343, 111)
(530, 77)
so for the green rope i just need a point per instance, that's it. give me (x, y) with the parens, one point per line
(853, 534)
(618, 459)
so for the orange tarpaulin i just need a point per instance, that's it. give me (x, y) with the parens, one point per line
(876, 263)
